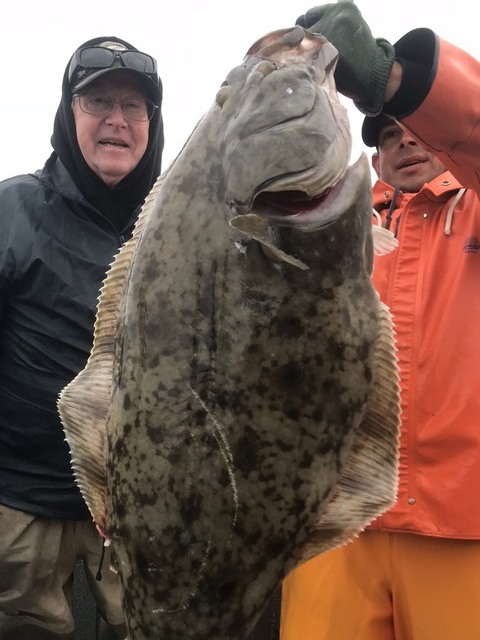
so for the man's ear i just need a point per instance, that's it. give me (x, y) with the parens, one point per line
(376, 163)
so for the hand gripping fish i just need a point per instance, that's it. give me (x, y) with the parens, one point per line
(239, 411)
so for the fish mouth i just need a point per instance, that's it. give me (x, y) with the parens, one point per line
(288, 203)
(313, 205)
(301, 207)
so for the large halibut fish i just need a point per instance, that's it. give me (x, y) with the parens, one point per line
(239, 411)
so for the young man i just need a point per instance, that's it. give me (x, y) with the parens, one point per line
(414, 572)
(59, 231)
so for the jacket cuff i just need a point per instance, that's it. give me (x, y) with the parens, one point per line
(417, 52)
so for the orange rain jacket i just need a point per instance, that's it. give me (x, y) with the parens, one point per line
(432, 285)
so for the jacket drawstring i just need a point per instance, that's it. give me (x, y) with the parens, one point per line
(393, 204)
(448, 221)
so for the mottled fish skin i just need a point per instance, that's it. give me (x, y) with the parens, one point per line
(253, 417)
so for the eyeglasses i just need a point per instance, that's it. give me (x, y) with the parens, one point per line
(100, 104)
(95, 58)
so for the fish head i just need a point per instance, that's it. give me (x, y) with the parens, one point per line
(286, 146)
(284, 125)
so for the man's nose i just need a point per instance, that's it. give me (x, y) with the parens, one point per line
(407, 139)
(116, 111)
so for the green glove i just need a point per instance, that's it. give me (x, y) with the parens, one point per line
(365, 62)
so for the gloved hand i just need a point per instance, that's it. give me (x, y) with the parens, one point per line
(365, 62)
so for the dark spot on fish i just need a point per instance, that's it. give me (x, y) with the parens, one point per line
(225, 591)
(249, 536)
(143, 499)
(283, 446)
(119, 448)
(154, 362)
(288, 376)
(143, 562)
(261, 389)
(270, 491)
(327, 384)
(210, 444)
(306, 461)
(246, 451)
(120, 511)
(199, 417)
(293, 414)
(290, 327)
(296, 507)
(153, 328)
(127, 403)
(275, 546)
(257, 295)
(155, 434)
(234, 400)
(151, 270)
(311, 311)
(224, 479)
(326, 294)
(191, 509)
(297, 483)
(336, 351)
(324, 447)
(174, 455)
(174, 392)
(200, 374)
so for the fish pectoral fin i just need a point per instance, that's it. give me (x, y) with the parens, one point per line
(84, 404)
(260, 230)
(83, 407)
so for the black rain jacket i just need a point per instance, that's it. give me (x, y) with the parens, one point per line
(55, 247)
(54, 251)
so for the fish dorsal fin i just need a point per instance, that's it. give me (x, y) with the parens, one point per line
(83, 403)
(259, 229)
(368, 483)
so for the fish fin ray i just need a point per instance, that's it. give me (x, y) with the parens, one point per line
(259, 229)
(368, 484)
(83, 404)
(384, 241)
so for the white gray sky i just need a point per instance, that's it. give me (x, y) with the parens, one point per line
(196, 43)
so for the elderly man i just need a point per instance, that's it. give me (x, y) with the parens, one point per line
(59, 231)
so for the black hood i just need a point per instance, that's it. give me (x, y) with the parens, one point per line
(119, 202)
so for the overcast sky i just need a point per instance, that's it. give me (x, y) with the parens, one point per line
(196, 43)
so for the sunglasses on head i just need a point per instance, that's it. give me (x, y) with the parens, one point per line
(95, 58)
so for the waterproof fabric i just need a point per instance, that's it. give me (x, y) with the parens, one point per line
(54, 251)
(386, 586)
(38, 556)
(432, 285)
